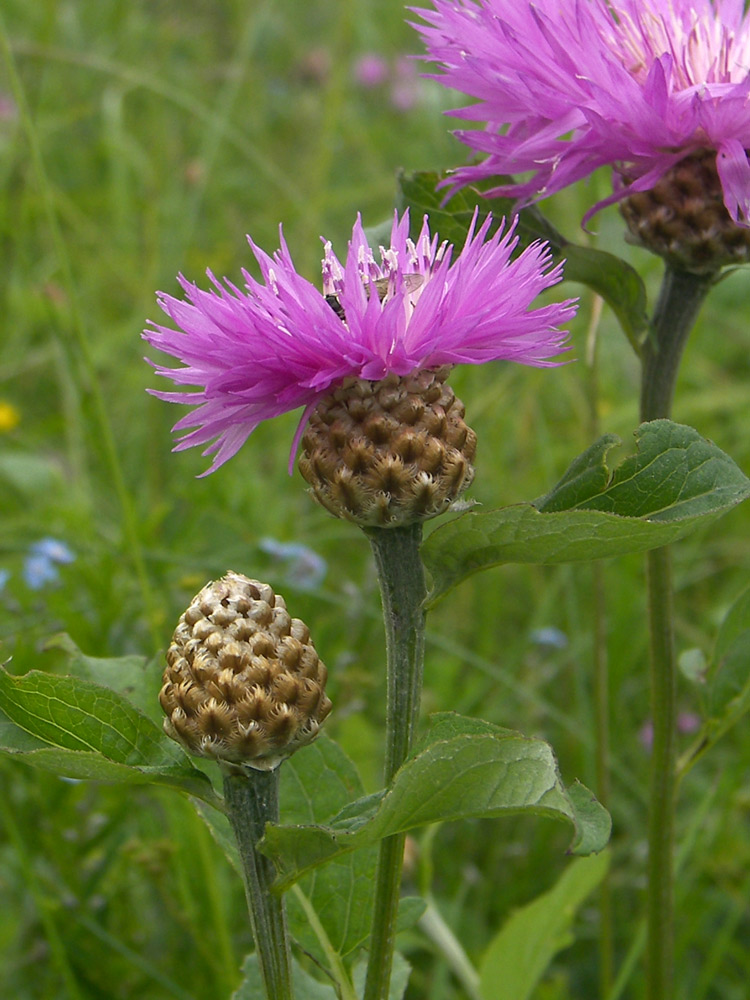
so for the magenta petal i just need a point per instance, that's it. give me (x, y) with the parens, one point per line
(279, 345)
(734, 174)
(567, 86)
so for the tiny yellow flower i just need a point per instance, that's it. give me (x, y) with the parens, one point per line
(10, 416)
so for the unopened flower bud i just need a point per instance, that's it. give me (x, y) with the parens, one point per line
(389, 453)
(243, 682)
(683, 218)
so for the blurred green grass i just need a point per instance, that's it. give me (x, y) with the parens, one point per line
(149, 138)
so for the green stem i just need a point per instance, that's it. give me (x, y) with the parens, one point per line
(681, 297)
(601, 673)
(402, 589)
(660, 899)
(252, 801)
(603, 780)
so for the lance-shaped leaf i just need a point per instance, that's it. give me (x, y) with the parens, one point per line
(519, 955)
(615, 280)
(676, 482)
(464, 768)
(79, 729)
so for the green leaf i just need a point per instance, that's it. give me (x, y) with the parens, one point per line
(676, 482)
(399, 977)
(15, 739)
(615, 280)
(410, 909)
(317, 782)
(517, 958)
(729, 672)
(693, 665)
(727, 680)
(471, 769)
(419, 193)
(88, 731)
(134, 677)
(303, 984)
(30, 475)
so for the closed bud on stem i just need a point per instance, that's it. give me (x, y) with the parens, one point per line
(684, 220)
(243, 683)
(389, 453)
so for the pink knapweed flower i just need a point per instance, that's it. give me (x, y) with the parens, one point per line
(567, 86)
(281, 343)
(370, 70)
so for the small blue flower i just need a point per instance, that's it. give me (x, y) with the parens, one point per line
(52, 549)
(549, 636)
(40, 565)
(38, 570)
(305, 569)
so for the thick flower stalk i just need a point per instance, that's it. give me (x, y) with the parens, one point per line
(656, 89)
(660, 91)
(281, 344)
(384, 443)
(244, 686)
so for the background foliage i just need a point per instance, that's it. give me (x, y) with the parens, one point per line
(147, 138)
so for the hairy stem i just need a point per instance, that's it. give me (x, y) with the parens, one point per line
(681, 297)
(252, 801)
(402, 589)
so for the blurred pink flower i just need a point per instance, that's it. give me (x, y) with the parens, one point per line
(567, 86)
(687, 722)
(370, 70)
(406, 84)
(282, 344)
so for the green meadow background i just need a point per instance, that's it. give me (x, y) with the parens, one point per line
(144, 138)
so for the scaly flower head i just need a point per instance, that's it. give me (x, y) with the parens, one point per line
(567, 86)
(281, 344)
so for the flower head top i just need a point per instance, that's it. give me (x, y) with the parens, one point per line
(282, 344)
(567, 86)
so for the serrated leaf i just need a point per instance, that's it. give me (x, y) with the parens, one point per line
(303, 984)
(614, 279)
(517, 958)
(483, 771)
(676, 482)
(92, 732)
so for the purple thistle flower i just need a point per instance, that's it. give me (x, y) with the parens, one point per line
(567, 86)
(283, 344)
